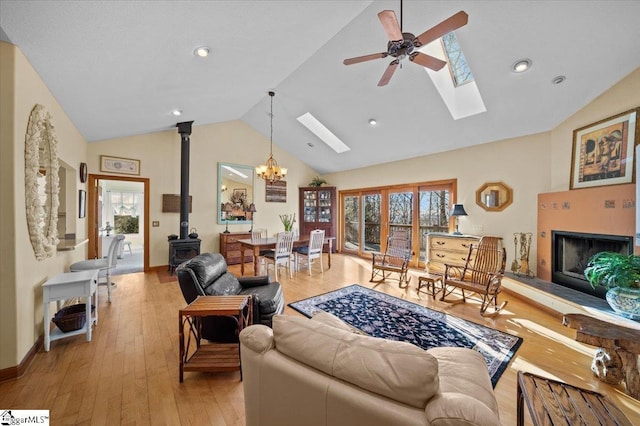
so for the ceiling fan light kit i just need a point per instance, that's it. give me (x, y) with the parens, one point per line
(402, 45)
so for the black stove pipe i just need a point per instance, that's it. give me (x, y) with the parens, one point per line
(184, 129)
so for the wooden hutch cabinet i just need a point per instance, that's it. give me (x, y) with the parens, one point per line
(230, 247)
(318, 210)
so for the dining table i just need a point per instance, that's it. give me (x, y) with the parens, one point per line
(260, 244)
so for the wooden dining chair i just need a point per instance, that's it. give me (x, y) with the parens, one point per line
(312, 251)
(282, 255)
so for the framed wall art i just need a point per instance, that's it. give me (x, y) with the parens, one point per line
(276, 192)
(125, 166)
(603, 152)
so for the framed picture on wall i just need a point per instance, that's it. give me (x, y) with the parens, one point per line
(82, 203)
(603, 151)
(276, 192)
(125, 166)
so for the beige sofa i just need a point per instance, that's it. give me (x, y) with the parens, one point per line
(320, 372)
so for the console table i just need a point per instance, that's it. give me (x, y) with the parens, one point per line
(67, 286)
(619, 347)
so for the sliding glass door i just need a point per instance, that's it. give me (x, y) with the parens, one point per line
(370, 215)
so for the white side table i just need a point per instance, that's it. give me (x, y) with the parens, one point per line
(66, 286)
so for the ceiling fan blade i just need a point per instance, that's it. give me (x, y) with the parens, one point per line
(390, 24)
(365, 58)
(388, 73)
(452, 23)
(427, 61)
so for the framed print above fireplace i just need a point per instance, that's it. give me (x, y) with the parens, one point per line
(603, 151)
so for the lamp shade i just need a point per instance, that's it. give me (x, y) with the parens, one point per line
(252, 208)
(458, 210)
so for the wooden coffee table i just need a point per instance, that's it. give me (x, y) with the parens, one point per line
(212, 357)
(555, 403)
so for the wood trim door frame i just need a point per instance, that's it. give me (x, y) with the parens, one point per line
(92, 213)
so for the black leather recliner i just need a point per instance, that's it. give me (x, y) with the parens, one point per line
(206, 275)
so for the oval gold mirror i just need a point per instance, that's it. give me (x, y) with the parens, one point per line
(41, 183)
(494, 196)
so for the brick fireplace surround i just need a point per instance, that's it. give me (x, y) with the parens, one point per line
(601, 210)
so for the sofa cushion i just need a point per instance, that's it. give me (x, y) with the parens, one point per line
(332, 320)
(396, 370)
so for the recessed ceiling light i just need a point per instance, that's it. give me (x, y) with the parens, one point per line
(176, 112)
(202, 51)
(521, 65)
(373, 121)
(559, 79)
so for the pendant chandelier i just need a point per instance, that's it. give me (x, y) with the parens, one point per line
(271, 172)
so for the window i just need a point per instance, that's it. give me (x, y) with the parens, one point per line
(370, 215)
(125, 207)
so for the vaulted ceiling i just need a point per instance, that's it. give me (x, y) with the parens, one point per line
(120, 68)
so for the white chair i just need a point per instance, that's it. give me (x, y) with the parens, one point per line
(282, 255)
(312, 251)
(104, 264)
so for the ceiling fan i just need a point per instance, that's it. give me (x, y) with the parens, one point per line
(402, 45)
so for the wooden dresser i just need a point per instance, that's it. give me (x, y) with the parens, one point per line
(230, 248)
(447, 249)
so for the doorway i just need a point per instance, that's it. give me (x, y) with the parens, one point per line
(123, 202)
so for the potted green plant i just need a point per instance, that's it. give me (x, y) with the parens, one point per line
(620, 275)
(317, 182)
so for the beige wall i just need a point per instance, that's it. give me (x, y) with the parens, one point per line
(21, 310)
(229, 142)
(521, 163)
(623, 96)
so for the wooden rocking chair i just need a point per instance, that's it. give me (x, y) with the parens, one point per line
(395, 259)
(482, 274)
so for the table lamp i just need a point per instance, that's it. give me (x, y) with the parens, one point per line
(458, 210)
(252, 210)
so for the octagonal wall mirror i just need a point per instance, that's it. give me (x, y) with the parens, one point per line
(494, 196)
(235, 193)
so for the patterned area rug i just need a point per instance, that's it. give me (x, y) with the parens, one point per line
(389, 317)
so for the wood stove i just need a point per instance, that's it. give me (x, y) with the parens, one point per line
(183, 248)
(571, 251)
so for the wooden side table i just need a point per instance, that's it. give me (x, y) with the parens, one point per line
(212, 357)
(67, 286)
(555, 403)
(429, 281)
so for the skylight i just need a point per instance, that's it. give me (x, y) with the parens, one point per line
(325, 135)
(458, 66)
(462, 97)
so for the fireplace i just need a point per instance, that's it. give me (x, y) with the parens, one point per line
(570, 253)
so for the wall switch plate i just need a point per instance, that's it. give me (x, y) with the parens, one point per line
(155, 223)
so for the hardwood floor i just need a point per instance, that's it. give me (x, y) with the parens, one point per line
(128, 374)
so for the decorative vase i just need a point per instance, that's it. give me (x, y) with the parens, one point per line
(625, 301)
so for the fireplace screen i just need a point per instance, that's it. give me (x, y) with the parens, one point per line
(571, 252)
